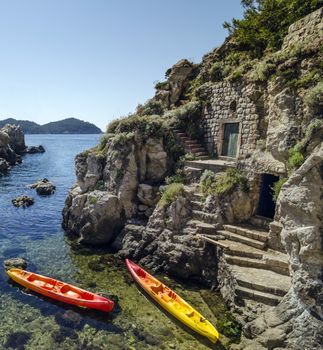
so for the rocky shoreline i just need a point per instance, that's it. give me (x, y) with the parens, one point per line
(12, 147)
(166, 188)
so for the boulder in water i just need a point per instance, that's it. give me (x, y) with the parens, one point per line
(23, 201)
(19, 263)
(43, 187)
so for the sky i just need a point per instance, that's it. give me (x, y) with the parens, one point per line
(96, 60)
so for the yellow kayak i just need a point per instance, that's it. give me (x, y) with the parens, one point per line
(172, 302)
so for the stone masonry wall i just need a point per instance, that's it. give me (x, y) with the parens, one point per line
(230, 103)
(304, 28)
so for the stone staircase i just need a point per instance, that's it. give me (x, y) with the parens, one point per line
(261, 274)
(191, 145)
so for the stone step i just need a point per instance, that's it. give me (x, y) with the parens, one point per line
(242, 239)
(248, 232)
(197, 149)
(239, 249)
(200, 153)
(256, 295)
(257, 263)
(203, 157)
(262, 280)
(214, 165)
(197, 205)
(204, 228)
(204, 217)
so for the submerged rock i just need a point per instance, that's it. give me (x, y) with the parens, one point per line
(34, 149)
(43, 187)
(19, 263)
(23, 201)
(17, 340)
(4, 165)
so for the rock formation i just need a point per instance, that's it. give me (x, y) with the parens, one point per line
(12, 147)
(264, 120)
(23, 201)
(43, 187)
(106, 192)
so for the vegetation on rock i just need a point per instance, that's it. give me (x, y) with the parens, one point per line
(170, 193)
(210, 184)
(265, 23)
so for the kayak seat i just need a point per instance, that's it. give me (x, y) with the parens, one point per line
(157, 289)
(31, 278)
(190, 314)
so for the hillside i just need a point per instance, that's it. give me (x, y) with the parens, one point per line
(65, 126)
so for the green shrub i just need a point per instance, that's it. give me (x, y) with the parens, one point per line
(216, 72)
(100, 185)
(295, 159)
(122, 138)
(104, 140)
(223, 184)
(161, 85)
(308, 79)
(145, 126)
(151, 107)
(277, 187)
(265, 23)
(186, 118)
(193, 86)
(188, 156)
(262, 71)
(170, 194)
(207, 182)
(93, 200)
(174, 149)
(229, 327)
(236, 74)
(314, 96)
(178, 177)
(112, 126)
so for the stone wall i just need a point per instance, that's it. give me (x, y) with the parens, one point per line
(230, 103)
(304, 28)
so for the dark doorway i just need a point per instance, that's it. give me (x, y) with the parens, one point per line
(266, 206)
(230, 139)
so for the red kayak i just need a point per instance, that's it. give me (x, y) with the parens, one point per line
(60, 291)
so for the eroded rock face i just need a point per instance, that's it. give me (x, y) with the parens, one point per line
(16, 138)
(178, 80)
(117, 174)
(164, 246)
(296, 323)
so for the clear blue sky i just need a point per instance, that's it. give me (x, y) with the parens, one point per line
(97, 59)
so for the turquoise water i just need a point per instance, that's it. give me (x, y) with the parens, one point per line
(29, 321)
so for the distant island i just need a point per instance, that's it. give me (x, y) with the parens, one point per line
(65, 126)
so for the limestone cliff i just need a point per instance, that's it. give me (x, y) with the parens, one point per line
(271, 108)
(12, 147)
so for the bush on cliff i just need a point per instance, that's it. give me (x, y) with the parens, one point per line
(170, 194)
(265, 23)
(210, 184)
(277, 187)
(186, 118)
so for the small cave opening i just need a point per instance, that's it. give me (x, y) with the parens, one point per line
(267, 205)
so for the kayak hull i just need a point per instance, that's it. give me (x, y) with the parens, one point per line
(172, 302)
(60, 291)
